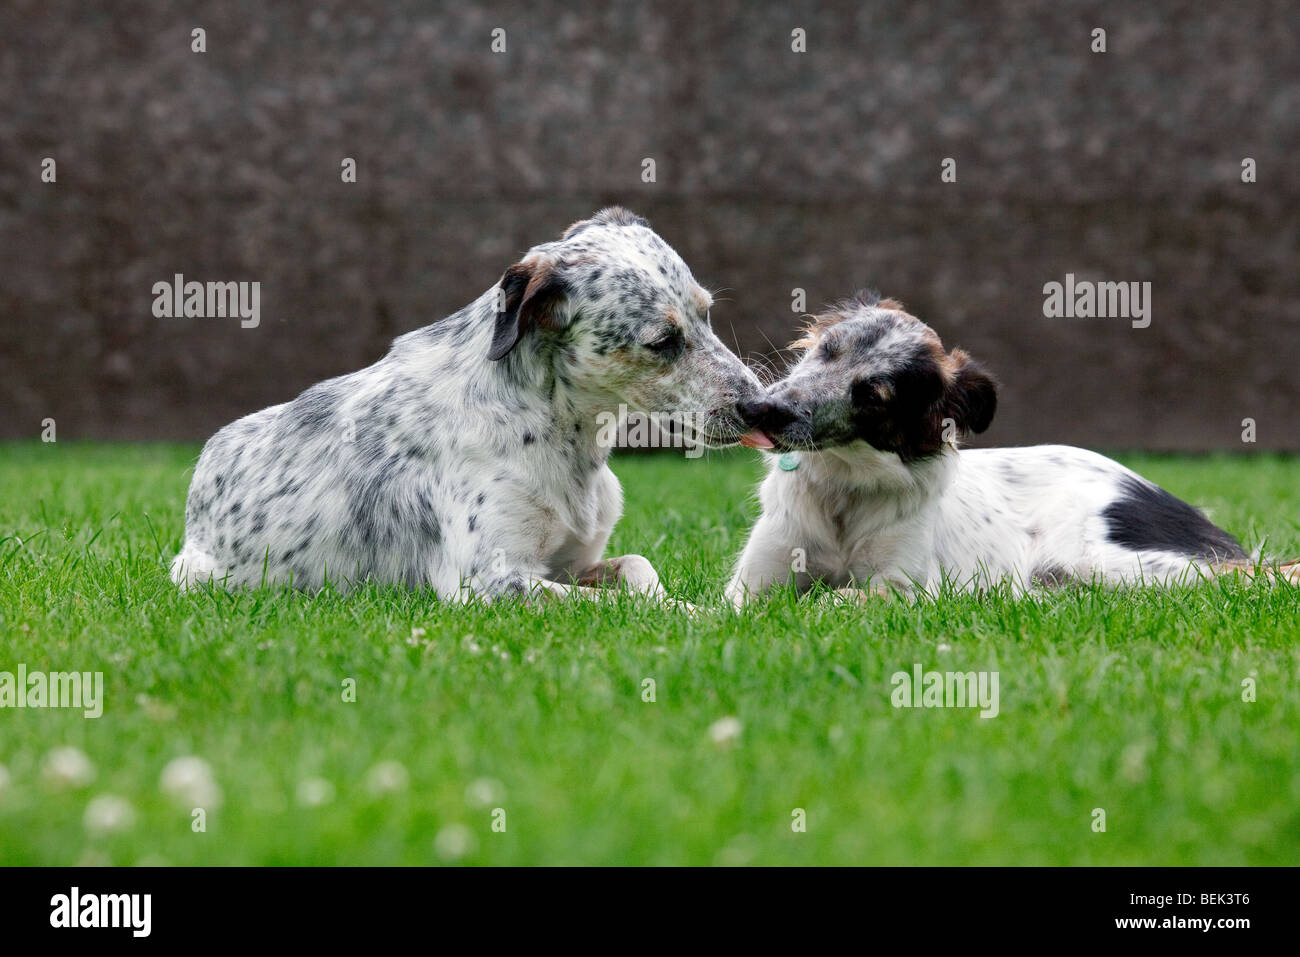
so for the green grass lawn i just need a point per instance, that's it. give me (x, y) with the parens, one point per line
(1126, 701)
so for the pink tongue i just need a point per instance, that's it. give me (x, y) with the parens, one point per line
(756, 439)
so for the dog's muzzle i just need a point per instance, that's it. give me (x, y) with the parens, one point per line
(765, 419)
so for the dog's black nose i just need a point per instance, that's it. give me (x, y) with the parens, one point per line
(765, 414)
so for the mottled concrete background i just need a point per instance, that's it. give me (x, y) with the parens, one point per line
(775, 170)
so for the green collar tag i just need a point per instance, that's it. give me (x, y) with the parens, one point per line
(789, 461)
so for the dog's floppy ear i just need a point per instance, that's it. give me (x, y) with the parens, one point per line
(972, 395)
(530, 296)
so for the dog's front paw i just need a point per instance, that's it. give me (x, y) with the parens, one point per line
(852, 595)
(678, 605)
(637, 574)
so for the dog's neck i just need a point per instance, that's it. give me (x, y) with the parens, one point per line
(537, 372)
(863, 471)
(546, 405)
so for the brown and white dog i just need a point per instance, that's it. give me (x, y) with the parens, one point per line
(871, 490)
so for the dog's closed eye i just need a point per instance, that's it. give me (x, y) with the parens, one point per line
(666, 341)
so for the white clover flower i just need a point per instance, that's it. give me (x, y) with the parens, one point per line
(454, 841)
(189, 780)
(726, 730)
(485, 792)
(94, 857)
(738, 852)
(68, 768)
(313, 792)
(108, 814)
(386, 777)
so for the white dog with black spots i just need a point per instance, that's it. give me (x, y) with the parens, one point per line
(468, 460)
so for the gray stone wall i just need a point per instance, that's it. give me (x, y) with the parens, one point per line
(775, 170)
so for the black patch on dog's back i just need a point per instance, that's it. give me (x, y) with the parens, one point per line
(1147, 517)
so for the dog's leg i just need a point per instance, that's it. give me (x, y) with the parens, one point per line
(768, 560)
(637, 575)
(856, 595)
(632, 571)
(1288, 572)
(521, 586)
(546, 589)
